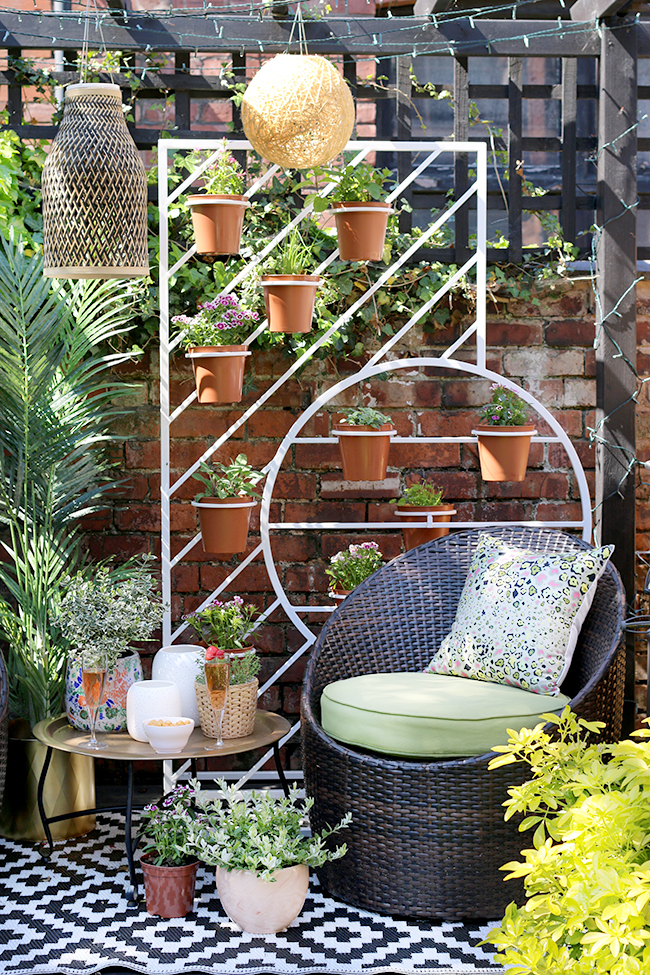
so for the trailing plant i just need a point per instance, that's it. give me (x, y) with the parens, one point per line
(224, 176)
(352, 566)
(422, 493)
(167, 826)
(225, 624)
(220, 321)
(233, 480)
(504, 409)
(365, 416)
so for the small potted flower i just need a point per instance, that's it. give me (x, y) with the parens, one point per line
(504, 436)
(289, 286)
(107, 614)
(218, 212)
(214, 340)
(169, 871)
(352, 566)
(226, 504)
(262, 856)
(364, 436)
(421, 500)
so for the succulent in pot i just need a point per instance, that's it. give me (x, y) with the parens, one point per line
(419, 500)
(364, 436)
(226, 504)
(169, 870)
(352, 566)
(261, 855)
(214, 340)
(289, 285)
(504, 436)
(218, 212)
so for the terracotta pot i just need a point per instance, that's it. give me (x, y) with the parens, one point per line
(289, 300)
(169, 890)
(224, 524)
(364, 451)
(263, 906)
(503, 451)
(218, 372)
(217, 220)
(361, 230)
(418, 536)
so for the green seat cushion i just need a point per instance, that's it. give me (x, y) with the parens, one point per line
(429, 715)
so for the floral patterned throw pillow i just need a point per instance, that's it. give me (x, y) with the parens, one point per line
(519, 615)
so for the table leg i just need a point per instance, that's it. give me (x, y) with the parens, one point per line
(280, 770)
(39, 799)
(132, 894)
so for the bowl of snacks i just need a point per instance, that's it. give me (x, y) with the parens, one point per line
(168, 736)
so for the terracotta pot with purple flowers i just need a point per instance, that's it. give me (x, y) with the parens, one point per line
(215, 343)
(218, 212)
(504, 436)
(168, 864)
(352, 566)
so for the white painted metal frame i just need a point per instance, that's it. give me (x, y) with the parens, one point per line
(377, 365)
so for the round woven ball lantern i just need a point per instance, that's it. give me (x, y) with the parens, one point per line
(94, 191)
(298, 111)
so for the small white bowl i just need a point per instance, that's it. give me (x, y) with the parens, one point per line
(168, 739)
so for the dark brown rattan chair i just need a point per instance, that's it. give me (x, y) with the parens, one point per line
(428, 837)
(4, 722)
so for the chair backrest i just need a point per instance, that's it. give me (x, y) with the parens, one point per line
(398, 617)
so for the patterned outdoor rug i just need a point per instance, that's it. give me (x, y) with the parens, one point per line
(70, 915)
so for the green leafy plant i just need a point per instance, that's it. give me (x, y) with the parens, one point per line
(293, 255)
(244, 669)
(504, 409)
(255, 831)
(587, 874)
(354, 184)
(224, 176)
(423, 493)
(220, 321)
(233, 480)
(168, 825)
(352, 566)
(365, 416)
(225, 624)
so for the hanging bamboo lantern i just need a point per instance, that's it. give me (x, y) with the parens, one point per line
(298, 111)
(94, 191)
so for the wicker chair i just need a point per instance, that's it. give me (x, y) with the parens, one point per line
(4, 722)
(428, 837)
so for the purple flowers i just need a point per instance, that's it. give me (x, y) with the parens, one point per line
(219, 321)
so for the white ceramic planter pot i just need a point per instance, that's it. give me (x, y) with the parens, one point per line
(179, 664)
(111, 714)
(263, 906)
(151, 699)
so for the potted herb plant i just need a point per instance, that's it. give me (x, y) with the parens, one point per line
(289, 286)
(215, 342)
(364, 436)
(225, 505)
(504, 436)
(107, 614)
(169, 871)
(218, 212)
(352, 566)
(421, 499)
(261, 855)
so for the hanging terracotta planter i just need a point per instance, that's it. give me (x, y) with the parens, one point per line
(218, 372)
(339, 594)
(224, 524)
(503, 451)
(218, 220)
(261, 906)
(289, 300)
(364, 450)
(361, 229)
(169, 890)
(414, 536)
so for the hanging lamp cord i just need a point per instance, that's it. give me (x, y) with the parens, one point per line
(298, 22)
(83, 67)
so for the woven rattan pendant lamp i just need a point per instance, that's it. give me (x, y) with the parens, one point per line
(94, 191)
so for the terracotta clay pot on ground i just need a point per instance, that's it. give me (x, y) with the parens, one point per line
(169, 890)
(289, 300)
(217, 220)
(364, 450)
(418, 536)
(263, 906)
(361, 230)
(218, 372)
(224, 524)
(503, 451)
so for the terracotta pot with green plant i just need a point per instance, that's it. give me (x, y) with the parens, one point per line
(215, 342)
(226, 504)
(289, 287)
(504, 437)
(262, 856)
(352, 566)
(169, 871)
(360, 213)
(423, 501)
(218, 212)
(364, 435)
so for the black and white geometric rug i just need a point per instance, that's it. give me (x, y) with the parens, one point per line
(69, 915)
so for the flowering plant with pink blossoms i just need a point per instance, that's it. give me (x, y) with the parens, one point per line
(353, 565)
(225, 624)
(504, 409)
(220, 321)
(224, 176)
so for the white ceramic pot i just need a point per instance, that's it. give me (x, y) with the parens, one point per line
(111, 714)
(179, 664)
(151, 699)
(263, 906)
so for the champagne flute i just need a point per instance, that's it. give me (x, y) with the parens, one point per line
(217, 681)
(93, 673)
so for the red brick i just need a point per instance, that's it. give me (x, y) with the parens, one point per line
(427, 393)
(141, 422)
(513, 333)
(325, 511)
(270, 700)
(97, 521)
(269, 639)
(294, 548)
(566, 511)
(458, 423)
(134, 488)
(206, 421)
(318, 426)
(318, 456)
(271, 423)
(254, 578)
(503, 511)
(185, 578)
(410, 455)
(537, 484)
(289, 485)
(120, 547)
(139, 365)
(306, 578)
(138, 518)
(570, 332)
(143, 454)
(292, 394)
(643, 325)
(291, 700)
(212, 576)
(466, 392)
(386, 395)
(336, 487)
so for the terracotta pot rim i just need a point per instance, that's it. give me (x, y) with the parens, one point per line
(242, 502)
(425, 509)
(287, 279)
(363, 430)
(216, 351)
(516, 430)
(362, 204)
(146, 858)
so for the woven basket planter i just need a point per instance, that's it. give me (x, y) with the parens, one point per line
(239, 716)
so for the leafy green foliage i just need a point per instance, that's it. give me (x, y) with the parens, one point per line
(223, 176)
(362, 183)
(423, 493)
(167, 827)
(293, 255)
(365, 416)
(224, 624)
(244, 669)
(236, 479)
(504, 409)
(352, 566)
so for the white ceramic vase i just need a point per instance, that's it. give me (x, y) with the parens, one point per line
(151, 699)
(263, 906)
(180, 665)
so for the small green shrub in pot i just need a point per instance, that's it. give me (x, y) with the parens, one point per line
(233, 480)
(223, 518)
(504, 409)
(362, 183)
(223, 176)
(365, 416)
(422, 493)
